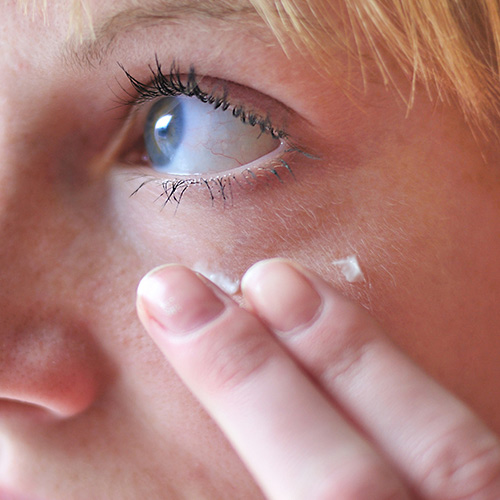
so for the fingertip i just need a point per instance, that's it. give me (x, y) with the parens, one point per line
(176, 300)
(147, 288)
(149, 282)
(252, 276)
(280, 293)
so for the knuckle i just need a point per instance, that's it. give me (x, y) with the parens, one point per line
(352, 336)
(350, 347)
(234, 362)
(345, 363)
(363, 480)
(465, 467)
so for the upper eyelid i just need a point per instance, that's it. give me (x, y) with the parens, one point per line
(176, 83)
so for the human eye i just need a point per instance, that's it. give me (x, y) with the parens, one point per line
(188, 130)
(184, 136)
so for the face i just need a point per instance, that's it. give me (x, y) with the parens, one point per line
(89, 408)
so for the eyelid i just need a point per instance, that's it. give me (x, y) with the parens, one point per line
(252, 168)
(248, 104)
(173, 187)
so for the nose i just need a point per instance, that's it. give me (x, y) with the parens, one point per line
(46, 361)
(48, 356)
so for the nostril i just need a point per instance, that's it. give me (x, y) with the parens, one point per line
(51, 363)
(12, 409)
(48, 396)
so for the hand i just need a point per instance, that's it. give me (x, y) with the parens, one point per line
(313, 396)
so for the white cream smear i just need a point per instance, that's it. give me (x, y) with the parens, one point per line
(223, 281)
(350, 268)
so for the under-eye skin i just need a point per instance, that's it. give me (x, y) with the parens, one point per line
(190, 136)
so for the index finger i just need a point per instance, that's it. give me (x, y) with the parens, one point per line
(290, 437)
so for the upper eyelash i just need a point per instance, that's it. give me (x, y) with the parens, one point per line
(171, 84)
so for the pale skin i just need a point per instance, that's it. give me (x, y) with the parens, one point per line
(382, 389)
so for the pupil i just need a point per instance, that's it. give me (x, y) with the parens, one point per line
(161, 127)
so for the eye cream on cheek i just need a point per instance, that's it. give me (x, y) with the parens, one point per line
(223, 281)
(350, 268)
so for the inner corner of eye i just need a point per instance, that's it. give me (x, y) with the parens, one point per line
(185, 136)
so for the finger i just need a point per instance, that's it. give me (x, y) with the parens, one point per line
(292, 440)
(441, 448)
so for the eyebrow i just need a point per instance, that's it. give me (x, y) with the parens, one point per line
(89, 50)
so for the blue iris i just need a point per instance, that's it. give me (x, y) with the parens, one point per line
(187, 136)
(164, 131)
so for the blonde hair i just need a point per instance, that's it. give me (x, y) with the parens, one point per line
(80, 17)
(451, 47)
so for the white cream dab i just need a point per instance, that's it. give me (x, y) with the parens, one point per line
(350, 268)
(224, 282)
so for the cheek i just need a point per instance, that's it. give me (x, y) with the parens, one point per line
(223, 238)
(401, 212)
(136, 396)
(431, 260)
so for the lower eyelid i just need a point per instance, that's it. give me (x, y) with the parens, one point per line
(275, 166)
(255, 166)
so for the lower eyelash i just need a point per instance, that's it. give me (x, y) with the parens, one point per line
(173, 189)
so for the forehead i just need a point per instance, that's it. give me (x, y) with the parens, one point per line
(88, 28)
(92, 18)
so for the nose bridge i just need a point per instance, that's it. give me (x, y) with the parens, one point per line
(48, 356)
(34, 224)
(25, 202)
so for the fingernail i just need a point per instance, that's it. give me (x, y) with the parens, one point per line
(177, 299)
(281, 294)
